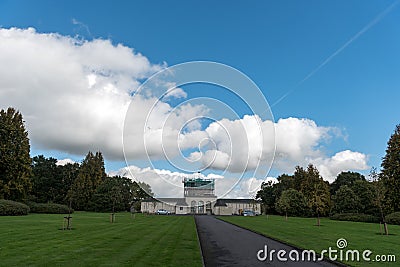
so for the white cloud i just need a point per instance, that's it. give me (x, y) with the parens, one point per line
(241, 145)
(62, 162)
(342, 161)
(74, 94)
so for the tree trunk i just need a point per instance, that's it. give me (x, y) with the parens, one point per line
(318, 220)
(286, 216)
(386, 228)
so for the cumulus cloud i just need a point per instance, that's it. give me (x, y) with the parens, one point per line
(241, 145)
(78, 95)
(74, 93)
(342, 161)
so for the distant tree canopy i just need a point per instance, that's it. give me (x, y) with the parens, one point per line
(15, 162)
(88, 187)
(304, 184)
(51, 182)
(40, 179)
(346, 178)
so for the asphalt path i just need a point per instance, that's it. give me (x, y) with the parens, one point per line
(224, 244)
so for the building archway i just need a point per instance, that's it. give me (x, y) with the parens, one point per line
(193, 207)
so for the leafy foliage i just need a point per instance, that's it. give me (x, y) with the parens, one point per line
(118, 194)
(12, 208)
(267, 195)
(114, 194)
(366, 194)
(90, 176)
(51, 182)
(346, 178)
(346, 201)
(292, 203)
(15, 162)
(314, 188)
(391, 170)
(45, 178)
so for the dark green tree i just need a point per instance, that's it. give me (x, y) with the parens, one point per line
(346, 178)
(346, 201)
(45, 180)
(365, 192)
(114, 194)
(91, 175)
(15, 162)
(390, 174)
(51, 182)
(285, 182)
(267, 197)
(68, 173)
(292, 203)
(118, 194)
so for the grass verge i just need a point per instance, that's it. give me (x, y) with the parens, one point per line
(303, 233)
(36, 240)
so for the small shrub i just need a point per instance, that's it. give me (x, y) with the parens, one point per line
(12, 208)
(393, 218)
(49, 208)
(355, 217)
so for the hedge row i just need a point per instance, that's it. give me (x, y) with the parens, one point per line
(12, 208)
(393, 218)
(49, 208)
(355, 217)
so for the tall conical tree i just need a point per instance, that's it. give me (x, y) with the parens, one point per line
(15, 162)
(315, 189)
(91, 174)
(391, 170)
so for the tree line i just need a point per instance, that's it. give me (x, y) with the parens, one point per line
(305, 193)
(84, 186)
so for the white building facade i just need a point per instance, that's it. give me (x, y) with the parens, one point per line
(199, 198)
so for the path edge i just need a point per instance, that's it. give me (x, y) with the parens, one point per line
(198, 240)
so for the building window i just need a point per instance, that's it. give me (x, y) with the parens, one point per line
(201, 207)
(180, 208)
(208, 206)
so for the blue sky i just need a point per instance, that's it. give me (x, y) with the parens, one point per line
(276, 43)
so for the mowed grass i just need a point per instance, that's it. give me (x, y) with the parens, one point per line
(146, 240)
(303, 233)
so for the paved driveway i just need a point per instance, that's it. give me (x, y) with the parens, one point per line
(224, 244)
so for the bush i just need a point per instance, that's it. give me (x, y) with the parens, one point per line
(355, 217)
(12, 208)
(393, 218)
(49, 208)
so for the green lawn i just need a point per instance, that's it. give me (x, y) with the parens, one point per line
(36, 240)
(302, 232)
